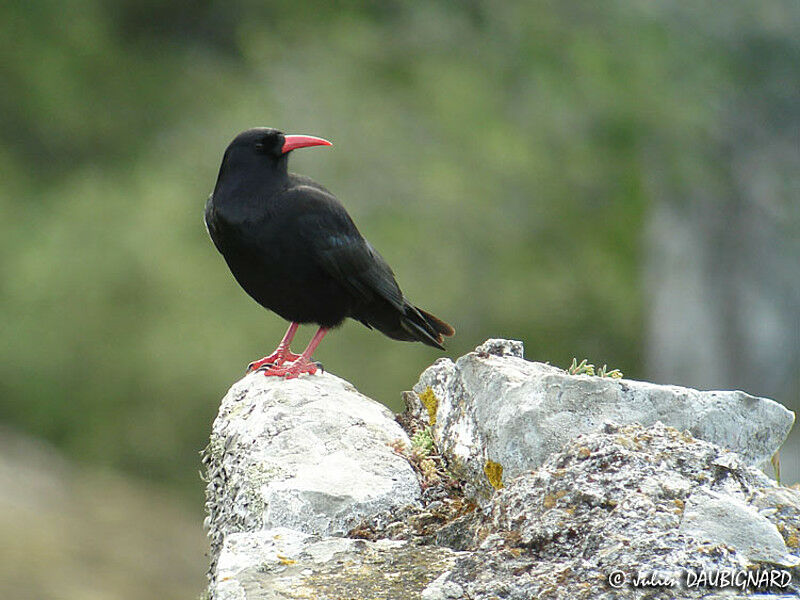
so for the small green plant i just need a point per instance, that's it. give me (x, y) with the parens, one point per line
(425, 458)
(582, 368)
(422, 441)
(613, 373)
(586, 368)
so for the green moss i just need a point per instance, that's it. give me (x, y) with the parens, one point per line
(494, 473)
(431, 403)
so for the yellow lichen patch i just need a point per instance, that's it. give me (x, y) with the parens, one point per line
(431, 403)
(679, 503)
(624, 441)
(792, 541)
(550, 500)
(564, 575)
(776, 465)
(285, 560)
(494, 473)
(584, 452)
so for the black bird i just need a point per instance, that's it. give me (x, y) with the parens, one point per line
(292, 246)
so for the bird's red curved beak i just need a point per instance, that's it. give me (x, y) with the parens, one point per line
(302, 141)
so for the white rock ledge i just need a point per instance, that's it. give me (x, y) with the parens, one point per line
(311, 454)
(492, 405)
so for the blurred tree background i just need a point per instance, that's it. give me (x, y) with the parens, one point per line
(585, 176)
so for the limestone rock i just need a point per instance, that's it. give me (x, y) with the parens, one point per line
(310, 454)
(627, 499)
(722, 519)
(315, 491)
(282, 563)
(497, 415)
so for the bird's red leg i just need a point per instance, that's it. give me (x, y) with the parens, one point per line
(282, 353)
(303, 364)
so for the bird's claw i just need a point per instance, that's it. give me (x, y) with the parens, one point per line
(275, 359)
(257, 365)
(292, 370)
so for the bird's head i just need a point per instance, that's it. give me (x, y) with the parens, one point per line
(265, 147)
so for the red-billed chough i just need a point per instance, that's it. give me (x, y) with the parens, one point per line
(292, 246)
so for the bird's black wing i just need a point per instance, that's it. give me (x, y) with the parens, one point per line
(329, 237)
(334, 242)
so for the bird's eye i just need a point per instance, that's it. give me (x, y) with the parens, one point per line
(260, 147)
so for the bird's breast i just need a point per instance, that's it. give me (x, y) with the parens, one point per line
(273, 265)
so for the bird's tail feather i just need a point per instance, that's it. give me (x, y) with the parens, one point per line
(407, 323)
(440, 326)
(425, 327)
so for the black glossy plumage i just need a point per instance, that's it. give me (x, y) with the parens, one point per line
(294, 249)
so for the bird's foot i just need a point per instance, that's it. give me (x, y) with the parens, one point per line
(276, 359)
(292, 370)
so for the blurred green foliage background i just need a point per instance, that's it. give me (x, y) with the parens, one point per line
(499, 155)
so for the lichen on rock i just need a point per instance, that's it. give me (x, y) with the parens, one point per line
(559, 531)
(494, 474)
(431, 404)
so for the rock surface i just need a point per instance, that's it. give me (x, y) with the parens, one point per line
(316, 492)
(636, 500)
(285, 563)
(310, 454)
(499, 415)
